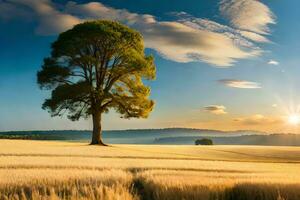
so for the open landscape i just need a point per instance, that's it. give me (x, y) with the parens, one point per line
(149, 100)
(65, 170)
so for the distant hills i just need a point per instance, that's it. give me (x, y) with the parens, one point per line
(266, 140)
(178, 136)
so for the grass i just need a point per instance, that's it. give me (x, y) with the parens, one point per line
(62, 170)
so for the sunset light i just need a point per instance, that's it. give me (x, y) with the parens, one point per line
(294, 119)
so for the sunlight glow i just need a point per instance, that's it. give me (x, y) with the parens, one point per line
(294, 119)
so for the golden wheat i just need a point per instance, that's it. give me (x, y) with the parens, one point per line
(64, 170)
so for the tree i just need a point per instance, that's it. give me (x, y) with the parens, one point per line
(95, 66)
(204, 141)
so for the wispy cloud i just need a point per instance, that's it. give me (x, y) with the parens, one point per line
(50, 19)
(216, 109)
(258, 119)
(254, 36)
(235, 83)
(186, 39)
(248, 15)
(7, 8)
(179, 40)
(273, 62)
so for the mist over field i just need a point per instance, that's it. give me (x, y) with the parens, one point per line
(173, 136)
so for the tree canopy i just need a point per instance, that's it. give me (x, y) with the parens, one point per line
(204, 141)
(95, 66)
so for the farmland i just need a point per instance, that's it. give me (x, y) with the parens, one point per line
(65, 170)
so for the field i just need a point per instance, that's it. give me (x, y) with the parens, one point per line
(65, 170)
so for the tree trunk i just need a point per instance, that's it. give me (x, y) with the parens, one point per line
(97, 130)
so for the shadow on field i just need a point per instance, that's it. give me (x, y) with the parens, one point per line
(148, 190)
(141, 188)
(263, 191)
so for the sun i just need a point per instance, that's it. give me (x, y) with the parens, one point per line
(294, 119)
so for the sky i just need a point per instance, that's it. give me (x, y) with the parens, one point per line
(221, 64)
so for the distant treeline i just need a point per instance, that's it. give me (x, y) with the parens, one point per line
(266, 140)
(46, 135)
(176, 136)
(32, 137)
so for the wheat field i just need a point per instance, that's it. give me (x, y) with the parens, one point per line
(65, 170)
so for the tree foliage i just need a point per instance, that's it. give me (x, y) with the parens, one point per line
(204, 141)
(95, 66)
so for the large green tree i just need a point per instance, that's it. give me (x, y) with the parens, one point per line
(95, 66)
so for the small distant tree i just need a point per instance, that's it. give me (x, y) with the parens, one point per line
(95, 66)
(204, 141)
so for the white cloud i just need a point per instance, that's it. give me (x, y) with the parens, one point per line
(249, 15)
(185, 40)
(255, 36)
(50, 19)
(96, 10)
(234, 83)
(240, 38)
(182, 40)
(182, 43)
(216, 109)
(273, 62)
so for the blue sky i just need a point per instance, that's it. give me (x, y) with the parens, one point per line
(243, 73)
